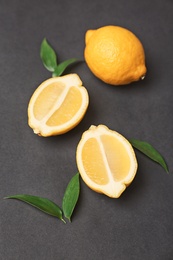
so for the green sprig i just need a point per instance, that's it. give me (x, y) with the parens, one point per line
(43, 204)
(49, 207)
(150, 152)
(71, 196)
(49, 60)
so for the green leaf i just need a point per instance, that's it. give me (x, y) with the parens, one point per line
(42, 204)
(149, 151)
(62, 66)
(71, 196)
(48, 56)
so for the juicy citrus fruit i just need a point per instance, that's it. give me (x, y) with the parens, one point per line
(57, 105)
(106, 161)
(115, 55)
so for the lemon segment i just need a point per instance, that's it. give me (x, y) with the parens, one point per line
(46, 100)
(116, 156)
(92, 159)
(106, 161)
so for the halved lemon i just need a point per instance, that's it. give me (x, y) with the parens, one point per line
(57, 105)
(106, 161)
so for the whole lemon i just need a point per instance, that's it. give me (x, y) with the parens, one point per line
(115, 55)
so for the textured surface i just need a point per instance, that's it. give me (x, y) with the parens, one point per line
(137, 226)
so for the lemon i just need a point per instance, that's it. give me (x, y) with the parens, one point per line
(106, 161)
(115, 55)
(57, 105)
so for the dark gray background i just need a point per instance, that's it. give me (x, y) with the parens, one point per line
(138, 225)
